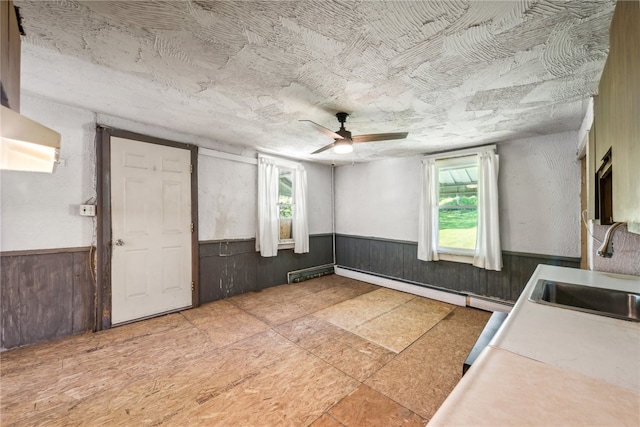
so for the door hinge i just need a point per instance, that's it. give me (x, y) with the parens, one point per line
(192, 227)
(190, 168)
(193, 286)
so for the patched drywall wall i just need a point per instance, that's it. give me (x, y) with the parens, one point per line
(539, 185)
(41, 211)
(451, 73)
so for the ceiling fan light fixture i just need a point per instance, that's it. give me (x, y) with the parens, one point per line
(343, 147)
(343, 141)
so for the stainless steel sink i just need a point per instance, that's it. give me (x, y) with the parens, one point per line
(604, 302)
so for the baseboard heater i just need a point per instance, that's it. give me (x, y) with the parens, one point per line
(309, 273)
(452, 297)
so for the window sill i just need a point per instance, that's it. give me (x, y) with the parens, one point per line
(287, 244)
(462, 258)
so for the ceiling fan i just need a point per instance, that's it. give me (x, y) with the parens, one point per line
(343, 141)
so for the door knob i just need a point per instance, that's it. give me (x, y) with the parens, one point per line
(119, 242)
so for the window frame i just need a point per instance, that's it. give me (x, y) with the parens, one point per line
(286, 243)
(448, 253)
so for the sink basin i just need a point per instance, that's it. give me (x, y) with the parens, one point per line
(604, 302)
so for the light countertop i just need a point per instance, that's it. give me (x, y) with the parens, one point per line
(554, 366)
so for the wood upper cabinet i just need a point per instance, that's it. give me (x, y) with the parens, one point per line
(9, 56)
(617, 115)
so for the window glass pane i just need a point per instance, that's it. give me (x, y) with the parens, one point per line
(285, 188)
(285, 229)
(285, 211)
(457, 228)
(285, 202)
(458, 200)
(285, 194)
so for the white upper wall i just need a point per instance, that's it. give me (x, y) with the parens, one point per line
(379, 199)
(41, 211)
(539, 189)
(539, 183)
(227, 197)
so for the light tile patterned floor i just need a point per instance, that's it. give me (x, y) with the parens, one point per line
(326, 352)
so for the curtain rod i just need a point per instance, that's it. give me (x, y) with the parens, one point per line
(458, 152)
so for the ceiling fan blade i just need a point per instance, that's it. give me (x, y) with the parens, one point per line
(325, 148)
(379, 137)
(324, 130)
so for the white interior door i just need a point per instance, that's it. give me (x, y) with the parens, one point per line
(151, 229)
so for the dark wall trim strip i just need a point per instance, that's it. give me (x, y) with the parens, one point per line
(251, 239)
(543, 256)
(377, 239)
(45, 251)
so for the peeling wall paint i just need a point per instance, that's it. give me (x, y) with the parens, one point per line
(451, 73)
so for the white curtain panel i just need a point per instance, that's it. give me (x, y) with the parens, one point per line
(300, 223)
(488, 253)
(268, 235)
(428, 215)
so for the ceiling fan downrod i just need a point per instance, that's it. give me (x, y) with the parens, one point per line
(342, 118)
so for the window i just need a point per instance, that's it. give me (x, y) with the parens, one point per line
(282, 206)
(285, 205)
(457, 204)
(459, 208)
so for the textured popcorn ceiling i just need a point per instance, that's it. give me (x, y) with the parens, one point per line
(451, 73)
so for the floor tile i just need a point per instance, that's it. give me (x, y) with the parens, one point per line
(347, 352)
(42, 356)
(293, 301)
(224, 323)
(294, 391)
(103, 370)
(354, 312)
(326, 420)
(401, 326)
(423, 375)
(367, 407)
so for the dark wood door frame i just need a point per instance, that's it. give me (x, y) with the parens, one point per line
(103, 212)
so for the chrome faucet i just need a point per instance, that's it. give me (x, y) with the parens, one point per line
(606, 248)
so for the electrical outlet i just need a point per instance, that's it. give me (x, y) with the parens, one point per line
(87, 210)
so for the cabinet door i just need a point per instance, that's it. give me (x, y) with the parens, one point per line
(616, 114)
(9, 56)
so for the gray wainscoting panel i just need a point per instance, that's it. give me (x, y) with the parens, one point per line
(386, 258)
(399, 260)
(229, 268)
(45, 295)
